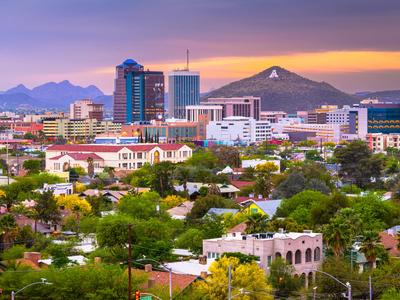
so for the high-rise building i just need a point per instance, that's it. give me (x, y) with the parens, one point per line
(248, 106)
(183, 90)
(86, 109)
(138, 94)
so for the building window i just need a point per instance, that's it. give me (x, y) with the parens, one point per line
(317, 254)
(269, 260)
(184, 153)
(169, 154)
(278, 254)
(139, 165)
(139, 155)
(308, 255)
(124, 155)
(297, 257)
(289, 257)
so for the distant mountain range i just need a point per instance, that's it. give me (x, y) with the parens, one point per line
(393, 95)
(278, 88)
(281, 89)
(51, 95)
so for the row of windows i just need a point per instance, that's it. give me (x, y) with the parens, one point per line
(298, 256)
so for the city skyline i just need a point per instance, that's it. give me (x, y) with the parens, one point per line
(350, 45)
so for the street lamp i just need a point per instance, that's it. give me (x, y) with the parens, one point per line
(165, 268)
(347, 285)
(43, 281)
(315, 292)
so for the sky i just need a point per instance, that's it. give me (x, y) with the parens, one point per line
(352, 44)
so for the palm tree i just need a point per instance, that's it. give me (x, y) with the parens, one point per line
(182, 174)
(256, 222)
(8, 230)
(337, 237)
(371, 246)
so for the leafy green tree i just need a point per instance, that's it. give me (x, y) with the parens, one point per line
(340, 231)
(313, 155)
(358, 164)
(303, 176)
(203, 157)
(323, 211)
(282, 278)
(94, 281)
(140, 206)
(141, 177)
(249, 174)
(33, 166)
(243, 258)
(191, 239)
(14, 252)
(203, 204)
(264, 175)
(341, 269)
(46, 209)
(375, 214)
(99, 204)
(299, 206)
(256, 223)
(249, 277)
(161, 179)
(227, 156)
(287, 224)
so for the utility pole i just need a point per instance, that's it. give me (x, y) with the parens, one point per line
(229, 282)
(129, 261)
(370, 287)
(8, 172)
(349, 295)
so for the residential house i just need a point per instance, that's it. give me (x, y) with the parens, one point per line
(302, 250)
(180, 211)
(267, 207)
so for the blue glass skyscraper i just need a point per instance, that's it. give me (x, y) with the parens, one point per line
(183, 90)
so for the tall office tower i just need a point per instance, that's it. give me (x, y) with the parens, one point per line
(86, 109)
(183, 90)
(138, 94)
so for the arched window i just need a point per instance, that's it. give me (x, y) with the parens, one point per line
(297, 257)
(317, 254)
(289, 257)
(278, 254)
(308, 255)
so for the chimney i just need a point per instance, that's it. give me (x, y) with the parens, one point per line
(203, 260)
(33, 257)
(151, 282)
(260, 197)
(280, 230)
(148, 268)
(203, 274)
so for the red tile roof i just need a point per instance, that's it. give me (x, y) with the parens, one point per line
(238, 228)
(241, 199)
(179, 281)
(241, 184)
(390, 242)
(79, 156)
(112, 148)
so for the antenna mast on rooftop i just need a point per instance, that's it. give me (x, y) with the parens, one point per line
(187, 59)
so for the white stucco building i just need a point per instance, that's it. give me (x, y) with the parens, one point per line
(243, 129)
(121, 157)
